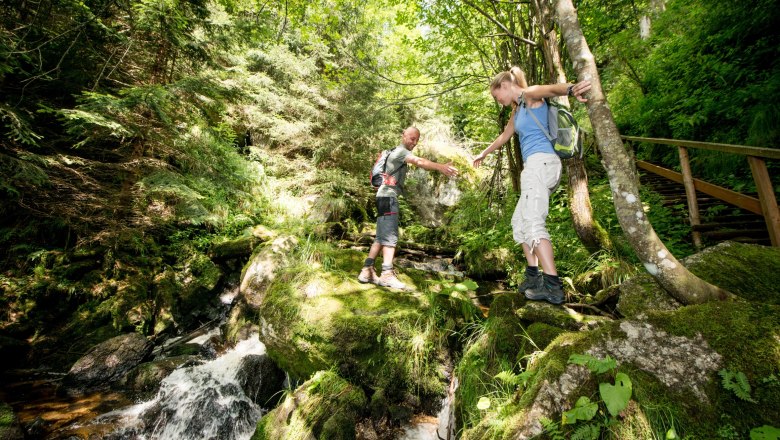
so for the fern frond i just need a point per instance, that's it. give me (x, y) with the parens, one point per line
(737, 383)
(587, 432)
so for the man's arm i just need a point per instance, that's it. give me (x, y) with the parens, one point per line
(446, 169)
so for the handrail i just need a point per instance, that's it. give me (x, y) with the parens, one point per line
(755, 157)
(769, 153)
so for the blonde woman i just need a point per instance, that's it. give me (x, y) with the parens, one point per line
(541, 175)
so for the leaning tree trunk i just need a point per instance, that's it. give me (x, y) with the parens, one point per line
(659, 262)
(591, 234)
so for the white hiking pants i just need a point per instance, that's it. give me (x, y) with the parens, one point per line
(541, 175)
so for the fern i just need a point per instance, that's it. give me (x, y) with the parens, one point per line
(594, 364)
(738, 383)
(552, 429)
(587, 432)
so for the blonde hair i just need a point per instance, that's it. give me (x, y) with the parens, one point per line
(515, 75)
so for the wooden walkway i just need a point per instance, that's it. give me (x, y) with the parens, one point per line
(720, 221)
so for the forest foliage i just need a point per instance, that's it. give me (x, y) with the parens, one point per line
(133, 127)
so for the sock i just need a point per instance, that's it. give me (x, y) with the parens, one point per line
(531, 271)
(552, 281)
(386, 267)
(368, 262)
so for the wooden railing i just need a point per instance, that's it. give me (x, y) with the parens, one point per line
(765, 204)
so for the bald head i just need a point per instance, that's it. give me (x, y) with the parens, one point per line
(410, 137)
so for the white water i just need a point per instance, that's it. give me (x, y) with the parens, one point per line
(442, 427)
(199, 402)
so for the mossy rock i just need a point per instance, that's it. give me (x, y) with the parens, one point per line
(324, 407)
(673, 359)
(557, 316)
(746, 270)
(315, 318)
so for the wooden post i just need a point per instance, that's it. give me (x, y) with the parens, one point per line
(690, 193)
(766, 194)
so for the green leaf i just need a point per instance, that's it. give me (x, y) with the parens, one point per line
(483, 404)
(616, 396)
(460, 287)
(590, 431)
(671, 434)
(765, 432)
(584, 409)
(471, 285)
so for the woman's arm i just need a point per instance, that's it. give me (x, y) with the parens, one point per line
(536, 93)
(504, 137)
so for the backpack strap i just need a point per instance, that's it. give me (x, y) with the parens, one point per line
(539, 124)
(384, 169)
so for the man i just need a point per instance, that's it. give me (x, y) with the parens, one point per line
(387, 208)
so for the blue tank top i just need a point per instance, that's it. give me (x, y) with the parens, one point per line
(532, 139)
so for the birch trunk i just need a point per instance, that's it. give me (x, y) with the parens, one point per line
(590, 233)
(659, 262)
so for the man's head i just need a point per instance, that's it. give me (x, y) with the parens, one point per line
(410, 137)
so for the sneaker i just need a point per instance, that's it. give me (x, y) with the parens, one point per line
(368, 275)
(532, 282)
(388, 279)
(552, 295)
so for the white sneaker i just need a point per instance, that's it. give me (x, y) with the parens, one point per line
(367, 275)
(388, 279)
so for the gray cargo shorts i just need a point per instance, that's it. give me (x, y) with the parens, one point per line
(387, 221)
(540, 177)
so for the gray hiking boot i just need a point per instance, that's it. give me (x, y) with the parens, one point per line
(531, 282)
(388, 279)
(551, 294)
(368, 275)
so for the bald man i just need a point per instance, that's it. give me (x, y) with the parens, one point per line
(387, 208)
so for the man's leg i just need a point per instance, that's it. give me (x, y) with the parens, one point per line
(367, 273)
(389, 227)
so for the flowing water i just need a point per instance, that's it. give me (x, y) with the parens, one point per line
(197, 402)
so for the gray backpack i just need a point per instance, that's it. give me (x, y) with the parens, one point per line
(563, 131)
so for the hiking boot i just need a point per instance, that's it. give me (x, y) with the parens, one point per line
(531, 282)
(388, 279)
(551, 294)
(368, 275)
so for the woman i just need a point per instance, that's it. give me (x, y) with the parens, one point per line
(540, 176)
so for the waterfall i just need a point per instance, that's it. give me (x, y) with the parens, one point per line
(196, 402)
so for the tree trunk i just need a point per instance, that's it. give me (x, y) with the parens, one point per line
(591, 234)
(659, 262)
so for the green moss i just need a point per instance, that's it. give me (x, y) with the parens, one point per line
(746, 335)
(7, 417)
(324, 407)
(378, 338)
(747, 270)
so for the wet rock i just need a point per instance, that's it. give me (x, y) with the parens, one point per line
(106, 363)
(144, 380)
(261, 380)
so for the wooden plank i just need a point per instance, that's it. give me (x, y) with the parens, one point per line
(768, 153)
(766, 195)
(748, 203)
(690, 194)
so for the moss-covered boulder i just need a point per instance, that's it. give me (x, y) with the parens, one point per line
(747, 270)
(314, 316)
(325, 407)
(704, 371)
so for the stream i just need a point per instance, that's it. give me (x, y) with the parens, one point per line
(199, 400)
